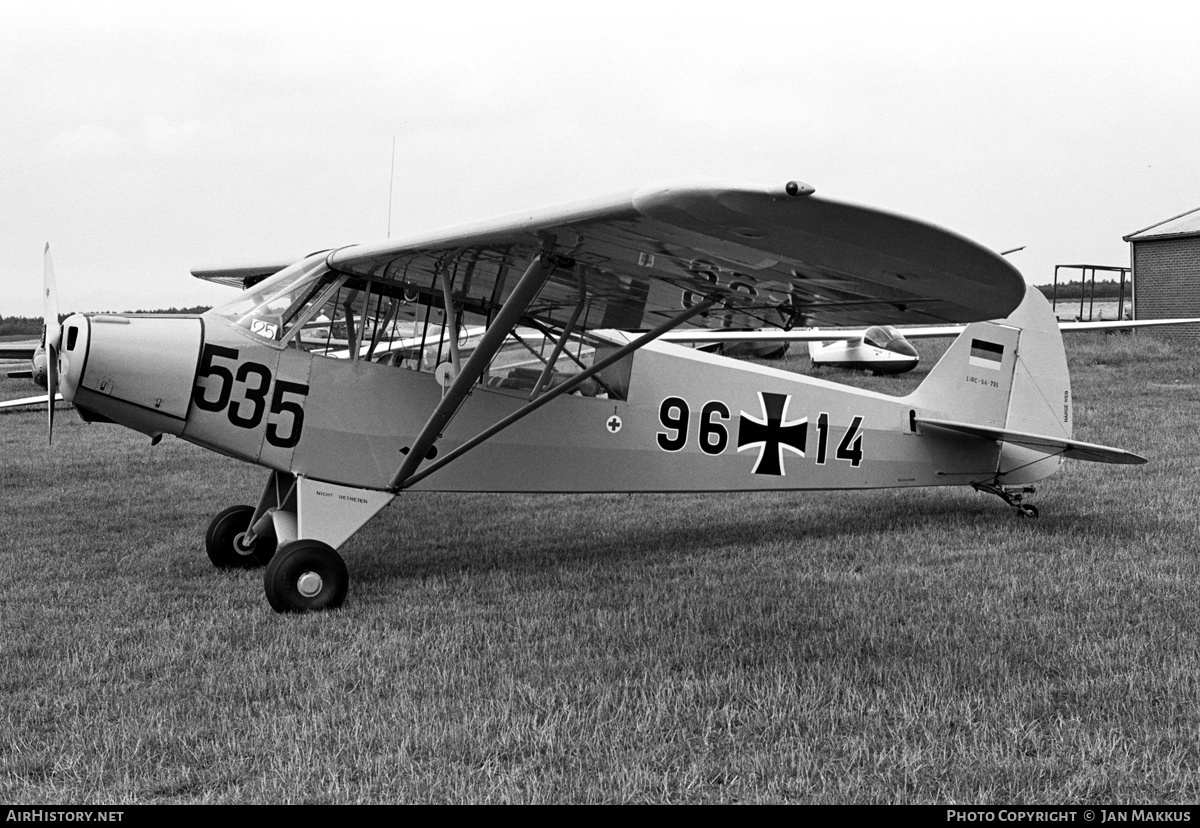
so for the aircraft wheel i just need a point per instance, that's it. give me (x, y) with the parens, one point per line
(1028, 510)
(224, 541)
(304, 576)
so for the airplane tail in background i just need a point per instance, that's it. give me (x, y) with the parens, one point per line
(1008, 381)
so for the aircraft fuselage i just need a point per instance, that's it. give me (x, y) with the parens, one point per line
(690, 421)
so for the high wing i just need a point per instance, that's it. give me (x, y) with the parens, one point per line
(1119, 324)
(768, 256)
(18, 351)
(706, 254)
(242, 275)
(1065, 327)
(25, 353)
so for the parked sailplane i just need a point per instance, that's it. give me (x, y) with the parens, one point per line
(599, 403)
(881, 349)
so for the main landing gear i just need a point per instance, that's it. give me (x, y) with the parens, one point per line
(230, 544)
(301, 575)
(306, 575)
(1012, 496)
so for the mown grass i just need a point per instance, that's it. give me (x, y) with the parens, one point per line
(860, 647)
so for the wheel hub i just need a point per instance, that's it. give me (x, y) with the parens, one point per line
(309, 584)
(241, 547)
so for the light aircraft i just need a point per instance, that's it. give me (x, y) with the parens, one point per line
(31, 353)
(879, 348)
(602, 405)
(34, 356)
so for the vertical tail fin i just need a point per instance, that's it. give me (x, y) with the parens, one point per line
(1010, 374)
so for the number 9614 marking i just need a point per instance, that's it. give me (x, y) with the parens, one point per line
(772, 434)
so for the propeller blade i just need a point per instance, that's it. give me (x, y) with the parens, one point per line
(52, 340)
(51, 390)
(50, 302)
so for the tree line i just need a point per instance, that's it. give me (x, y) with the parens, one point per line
(1077, 290)
(30, 327)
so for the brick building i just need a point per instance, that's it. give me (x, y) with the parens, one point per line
(1165, 258)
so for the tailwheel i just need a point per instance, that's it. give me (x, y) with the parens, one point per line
(1013, 496)
(230, 544)
(304, 576)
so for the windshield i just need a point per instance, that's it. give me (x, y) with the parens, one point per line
(268, 308)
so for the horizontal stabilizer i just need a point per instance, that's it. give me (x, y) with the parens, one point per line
(241, 275)
(1074, 449)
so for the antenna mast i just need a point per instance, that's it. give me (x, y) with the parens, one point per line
(391, 186)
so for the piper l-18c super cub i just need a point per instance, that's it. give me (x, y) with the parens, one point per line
(522, 355)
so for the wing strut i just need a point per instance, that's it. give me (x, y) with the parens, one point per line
(544, 379)
(401, 481)
(538, 273)
(451, 321)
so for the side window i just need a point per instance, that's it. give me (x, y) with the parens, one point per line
(531, 362)
(357, 320)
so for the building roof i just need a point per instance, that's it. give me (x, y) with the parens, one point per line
(1185, 224)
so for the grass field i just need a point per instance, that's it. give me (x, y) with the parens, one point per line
(921, 646)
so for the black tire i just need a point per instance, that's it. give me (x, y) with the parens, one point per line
(1028, 510)
(223, 543)
(306, 576)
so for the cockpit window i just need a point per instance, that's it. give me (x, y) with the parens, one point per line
(339, 316)
(880, 335)
(357, 319)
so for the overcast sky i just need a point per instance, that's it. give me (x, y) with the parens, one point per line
(143, 139)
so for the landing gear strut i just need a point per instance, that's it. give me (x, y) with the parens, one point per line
(303, 574)
(1012, 496)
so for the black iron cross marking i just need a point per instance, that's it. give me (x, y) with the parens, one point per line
(772, 434)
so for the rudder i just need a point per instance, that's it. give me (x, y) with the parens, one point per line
(1011, 374)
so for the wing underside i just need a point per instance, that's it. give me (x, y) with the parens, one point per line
(700, 255)
(770, 259)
